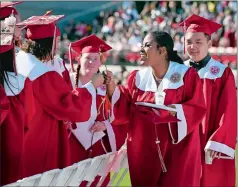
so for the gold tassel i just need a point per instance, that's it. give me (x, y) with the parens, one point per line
(161, 157)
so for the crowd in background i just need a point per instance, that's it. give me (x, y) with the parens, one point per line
(125, 28)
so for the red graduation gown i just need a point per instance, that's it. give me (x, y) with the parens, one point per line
(4, 105)
(66, 76)
(12, 128)
(53, 102)
(99, 113)
(59, 66)
(78, 152)
(219, 129)
(179, 142)
(62, 70)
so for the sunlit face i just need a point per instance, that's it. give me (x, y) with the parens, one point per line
(150, 53)
(196, 45)
(90, 63)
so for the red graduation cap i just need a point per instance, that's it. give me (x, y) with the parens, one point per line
(39, 27)
(196, 23)
(6, 9)
(7, 36)
(58, 33)
(46, 14)
(90, 44)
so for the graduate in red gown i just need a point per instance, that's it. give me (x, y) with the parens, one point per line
(163, 146)
(218, 130)
(13, 118)
(54, 100)
(90, 57)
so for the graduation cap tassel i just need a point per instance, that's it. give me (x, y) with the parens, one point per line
(157, 142)
(70, 58)
(53, 45)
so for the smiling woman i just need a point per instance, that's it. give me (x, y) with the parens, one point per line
(165, 139)
(99, 137)
(156, 47)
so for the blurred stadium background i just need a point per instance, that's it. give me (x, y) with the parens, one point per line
(123, 25)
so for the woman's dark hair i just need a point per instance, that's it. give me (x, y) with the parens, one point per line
(163, 39)
(41, 48)
(6, 65)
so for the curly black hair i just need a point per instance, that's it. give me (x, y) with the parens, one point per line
(41, 48)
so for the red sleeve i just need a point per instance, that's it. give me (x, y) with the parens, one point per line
(66, 76)
(121, 101)
(224, 137)
(192, 108)
(4, 105)
(28, 101)
(52, 92)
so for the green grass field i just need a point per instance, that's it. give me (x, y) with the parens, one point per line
(126, 180)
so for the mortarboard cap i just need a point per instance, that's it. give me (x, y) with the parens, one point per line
(196, 23)
(58, 33)
(28, 33)
(9, 4)
(90, 44)
(7, 36)
(39, 27)
(7, 33)
(6, 9)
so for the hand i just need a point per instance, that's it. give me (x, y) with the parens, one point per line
(213, 153)
(172, 112)
(108, 76)
(97, 80)
(109, 81)
(98, 126)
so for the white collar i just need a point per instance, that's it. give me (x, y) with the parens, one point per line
(100, 91)
(14, 84)
(173, 78)
(212, 70)
(29, 66)
(60, 63)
